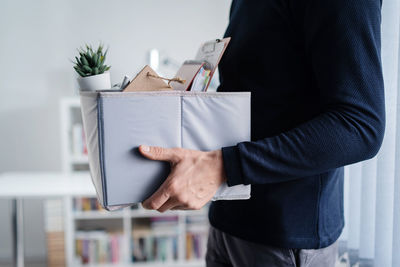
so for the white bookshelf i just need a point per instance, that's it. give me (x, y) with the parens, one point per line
(122, 219)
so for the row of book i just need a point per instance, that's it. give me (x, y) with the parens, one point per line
(98, 247)
(78, 140)
(86, 204)
(196, 237)
(154, 248)
(196, 245)
(155, 239)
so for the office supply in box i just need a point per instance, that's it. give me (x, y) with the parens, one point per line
(116, 123)
(201, 80)
(147, 80)
(187, 72)
(211, 52)
(124, 82)
(198, 73)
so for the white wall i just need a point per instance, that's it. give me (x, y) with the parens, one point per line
(37, 39)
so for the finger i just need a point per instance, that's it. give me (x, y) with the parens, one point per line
(159, 153)
(171, 203)
(157, 199)
(180, 208)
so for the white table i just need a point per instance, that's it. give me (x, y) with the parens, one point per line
(17, 186)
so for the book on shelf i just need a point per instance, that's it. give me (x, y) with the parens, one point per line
(196, 246)
(98, 247)
(155, 239)
(196, 237)
(87, 204)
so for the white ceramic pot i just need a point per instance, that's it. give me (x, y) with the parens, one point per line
(95, 82)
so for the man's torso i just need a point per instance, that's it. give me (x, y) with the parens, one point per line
(267, 57)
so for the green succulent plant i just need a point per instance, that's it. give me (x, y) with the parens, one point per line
(91, 62)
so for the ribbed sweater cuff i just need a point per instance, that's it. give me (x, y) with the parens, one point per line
(232, 165)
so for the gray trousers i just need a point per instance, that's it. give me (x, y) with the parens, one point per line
(224, 250)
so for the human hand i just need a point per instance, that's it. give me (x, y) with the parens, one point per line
(194, 178)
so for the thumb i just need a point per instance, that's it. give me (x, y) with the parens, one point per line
(159, 153)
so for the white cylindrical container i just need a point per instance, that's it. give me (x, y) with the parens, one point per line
(95, 82)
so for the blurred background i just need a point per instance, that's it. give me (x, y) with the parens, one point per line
(38, 40)
(41, 137)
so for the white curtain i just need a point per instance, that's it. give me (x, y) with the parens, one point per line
(372, 188)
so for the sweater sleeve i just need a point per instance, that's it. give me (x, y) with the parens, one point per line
(342, 41)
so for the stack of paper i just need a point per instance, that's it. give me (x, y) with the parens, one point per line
(201, 80)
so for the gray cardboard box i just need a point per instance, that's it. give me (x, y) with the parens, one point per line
(116, 123)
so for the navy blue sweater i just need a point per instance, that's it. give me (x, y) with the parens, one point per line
(314, 70)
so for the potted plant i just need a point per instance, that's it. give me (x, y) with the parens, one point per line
(90, 65)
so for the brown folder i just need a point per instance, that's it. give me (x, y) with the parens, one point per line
(146, 80)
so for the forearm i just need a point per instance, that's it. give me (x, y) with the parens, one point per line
(331, 140)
